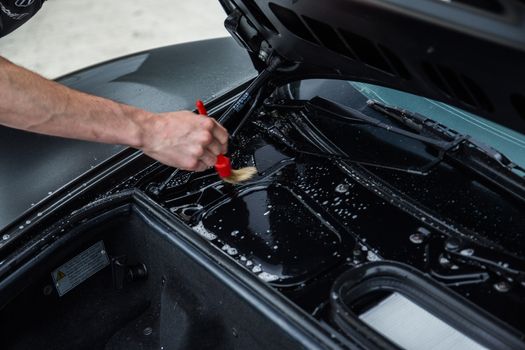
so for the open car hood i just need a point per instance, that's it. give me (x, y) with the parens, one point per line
(465, 53)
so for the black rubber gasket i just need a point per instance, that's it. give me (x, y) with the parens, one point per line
(389, 277)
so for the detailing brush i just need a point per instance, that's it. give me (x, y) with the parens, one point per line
(223, 165)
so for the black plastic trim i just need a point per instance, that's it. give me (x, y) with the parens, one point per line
(387, 276)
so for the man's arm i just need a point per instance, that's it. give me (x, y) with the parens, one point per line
(181, 139)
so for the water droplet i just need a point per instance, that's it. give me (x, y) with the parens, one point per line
(342, 188)
(371, 256)
(416, 238)
(201, 230)
(452, 244)
(268, 277)
(502, 286)
(467, 252)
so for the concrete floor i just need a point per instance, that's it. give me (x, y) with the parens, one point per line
(66, 35)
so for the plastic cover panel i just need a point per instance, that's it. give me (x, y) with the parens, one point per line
(460, 53)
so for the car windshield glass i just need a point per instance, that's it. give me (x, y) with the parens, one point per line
(505, 140)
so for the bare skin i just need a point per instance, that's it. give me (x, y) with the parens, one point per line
(181, 139)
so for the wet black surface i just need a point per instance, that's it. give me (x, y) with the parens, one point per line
(303, 218)
(275, 230)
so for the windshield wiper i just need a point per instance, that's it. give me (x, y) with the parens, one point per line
(419, 123)
(479, 158)
(442, 143)
(457, 149)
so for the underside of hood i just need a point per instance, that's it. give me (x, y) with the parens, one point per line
(470, 54)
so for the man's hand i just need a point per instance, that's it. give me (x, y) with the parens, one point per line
(184, 140)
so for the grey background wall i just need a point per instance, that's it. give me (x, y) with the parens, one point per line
(66, 35)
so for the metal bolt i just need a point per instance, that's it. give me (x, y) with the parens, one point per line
(502, 286)
(5, 237)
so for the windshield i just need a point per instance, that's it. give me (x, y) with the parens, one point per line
(505, 140)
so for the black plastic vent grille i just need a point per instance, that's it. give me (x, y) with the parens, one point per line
(292, 22)
(457, 86)
(328, 37)
(343, 42)
(395, 62)
(518, 102)
(259, 15)
(366, 51)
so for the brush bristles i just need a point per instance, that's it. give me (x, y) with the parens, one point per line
(240, 175)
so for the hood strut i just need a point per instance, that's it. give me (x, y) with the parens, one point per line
(252, 96)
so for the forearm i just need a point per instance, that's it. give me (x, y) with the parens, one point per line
(181, 139)
(30, 102)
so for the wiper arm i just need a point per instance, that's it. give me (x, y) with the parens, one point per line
(411, 120)
(479, 158)
(419, 123)
(441, 143)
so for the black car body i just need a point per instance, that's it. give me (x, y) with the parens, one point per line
(366, 226)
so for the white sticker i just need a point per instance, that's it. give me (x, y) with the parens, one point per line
(80, 268)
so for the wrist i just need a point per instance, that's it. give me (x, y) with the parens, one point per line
(143, 124)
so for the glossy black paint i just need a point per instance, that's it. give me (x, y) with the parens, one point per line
(164, 79)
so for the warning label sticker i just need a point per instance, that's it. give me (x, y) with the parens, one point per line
(80, 268)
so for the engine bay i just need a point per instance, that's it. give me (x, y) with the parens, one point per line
(297, 230)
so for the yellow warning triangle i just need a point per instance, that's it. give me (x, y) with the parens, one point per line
(60, 275)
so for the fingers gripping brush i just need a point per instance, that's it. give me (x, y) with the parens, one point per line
(223, 165)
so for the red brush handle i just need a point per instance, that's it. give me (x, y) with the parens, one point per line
(222, 164)
(200, 108)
